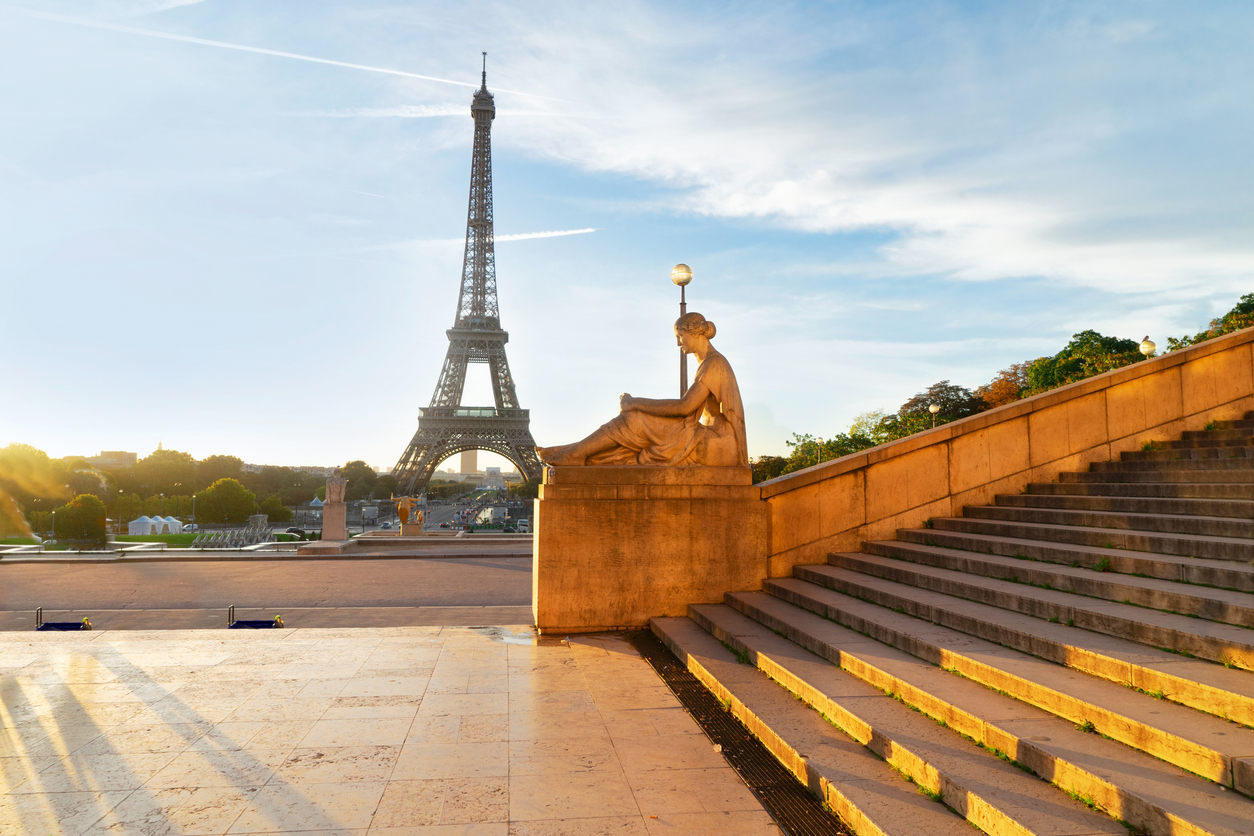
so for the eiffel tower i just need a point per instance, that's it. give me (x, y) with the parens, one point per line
(447, 427)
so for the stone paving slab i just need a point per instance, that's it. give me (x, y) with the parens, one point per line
(216, 617)
(394, 731)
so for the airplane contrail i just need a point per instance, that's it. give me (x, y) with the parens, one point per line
(552, 233)
(428, 242)
(151, 33)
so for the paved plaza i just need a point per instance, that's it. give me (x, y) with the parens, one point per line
(401, 731)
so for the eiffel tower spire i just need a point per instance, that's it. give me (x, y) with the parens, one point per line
(447, 427)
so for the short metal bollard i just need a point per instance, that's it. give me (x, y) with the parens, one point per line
(42, 626)
(257, 624)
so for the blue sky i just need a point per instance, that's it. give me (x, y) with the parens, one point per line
(235, 252)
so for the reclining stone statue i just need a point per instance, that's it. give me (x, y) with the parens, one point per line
(704, 428)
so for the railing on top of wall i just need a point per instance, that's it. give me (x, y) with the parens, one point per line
(869, 495)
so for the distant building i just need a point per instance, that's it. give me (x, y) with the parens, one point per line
(492, 478)
(252, 468)
(315, 471)
(113, 458)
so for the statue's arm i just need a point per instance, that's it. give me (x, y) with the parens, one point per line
(692, 402)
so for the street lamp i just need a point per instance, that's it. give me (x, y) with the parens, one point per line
(120, 492)
(162, 511)
(681, 274)
(820, 451)
(194, 510)
(1147, 347)
(933, 409)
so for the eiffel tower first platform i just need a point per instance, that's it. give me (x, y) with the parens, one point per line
(447, 427)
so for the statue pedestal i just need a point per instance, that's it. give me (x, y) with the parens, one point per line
(616, 546)
(412, 530)
(333, 525)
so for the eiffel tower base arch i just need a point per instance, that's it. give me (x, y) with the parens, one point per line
(443, 433)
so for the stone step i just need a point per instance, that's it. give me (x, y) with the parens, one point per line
(1243, 477)
(864, 576)
(1224, 574)
(1240, 462)
(1206, 745)
(1244, 423)
(1173, 523)
(1238, 508)
(1224, 692)
(1198, 490)
(1221, 605)
(1217, 433)
(868, 795)
(981, 787)
(1218, 548)
(1184, 451)
(1131, 785)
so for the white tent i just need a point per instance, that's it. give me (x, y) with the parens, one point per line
(315, 503)
(168, 525)
(139, 525)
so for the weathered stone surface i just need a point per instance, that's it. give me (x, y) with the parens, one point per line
(642, 542)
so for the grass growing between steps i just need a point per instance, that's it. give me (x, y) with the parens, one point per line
(742, 656)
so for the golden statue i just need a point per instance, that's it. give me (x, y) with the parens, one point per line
(706, 427)
(405, 509)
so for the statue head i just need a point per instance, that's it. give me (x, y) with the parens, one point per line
(693, 327)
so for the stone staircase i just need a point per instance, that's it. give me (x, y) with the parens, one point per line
(1075, 659)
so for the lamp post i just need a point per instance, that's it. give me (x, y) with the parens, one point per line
(1147, 347)
(933, 409)
(161, 513)
(194, 512)
(681, 274)
(120, 492)
(820, 443)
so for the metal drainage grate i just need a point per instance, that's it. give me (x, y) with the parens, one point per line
(797, 811)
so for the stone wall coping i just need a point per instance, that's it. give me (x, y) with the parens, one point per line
(645, 475)
(939, 435)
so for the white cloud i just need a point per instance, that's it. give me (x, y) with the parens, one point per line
(1024, 172)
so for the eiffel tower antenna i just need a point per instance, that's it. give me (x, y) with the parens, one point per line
(448, 427)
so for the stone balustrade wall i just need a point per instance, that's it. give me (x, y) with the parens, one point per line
(869, 495)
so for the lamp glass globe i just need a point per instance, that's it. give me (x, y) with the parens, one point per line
(681, 274)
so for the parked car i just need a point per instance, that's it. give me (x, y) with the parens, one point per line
(300, 532)
(191, 527)
(445, 525)
(509, 529)
(386, 525)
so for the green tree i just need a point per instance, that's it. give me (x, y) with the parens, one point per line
(212, 468)
(385, 486)
(954, 401)
(272, 506)
(359, 471)
(82, 518)
(226, 500)
(1241, 316)
(1089, 353)
(166, 471)
(767, 467)
(31, 478)
(526, 489)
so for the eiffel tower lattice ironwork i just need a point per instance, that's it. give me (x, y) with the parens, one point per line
(447, 427)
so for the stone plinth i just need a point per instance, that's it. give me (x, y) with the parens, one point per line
(412, 530)
(333, 521)
(616, 546)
